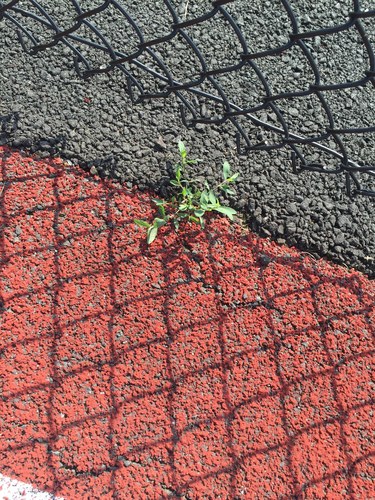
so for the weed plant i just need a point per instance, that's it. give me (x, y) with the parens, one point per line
(190, 200)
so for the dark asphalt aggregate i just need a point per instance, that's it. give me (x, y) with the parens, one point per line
(94, 122)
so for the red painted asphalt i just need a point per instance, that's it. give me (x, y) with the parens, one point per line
(214, 364)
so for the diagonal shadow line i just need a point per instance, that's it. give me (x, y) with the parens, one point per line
(340, 281)
(50, 404)
(94, 417)
(113, 354)
(155, 296)
(190, 427)
(107, 187)
(94, 232)
(224, 374)
(240, 460)
(353, 284)
(189, 374)
(105, 414)
(340, 407)
(347, 471)
(228, 415)
(283, 385)
(77, 236)
(296, 39)
(57, 332)
(171, 394)
(325, 477)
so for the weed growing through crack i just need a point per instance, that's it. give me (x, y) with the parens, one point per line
(190, 201)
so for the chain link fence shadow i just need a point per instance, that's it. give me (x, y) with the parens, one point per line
(307, 86)
(179, 374)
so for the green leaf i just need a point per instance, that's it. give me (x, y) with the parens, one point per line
(182, 149)
(229, 212)
(178, 173)
(151, 234)
(182, 207)
(159, 222)
(226, 170)
(158, 202)
(161, 211)
(233, 177)
(199, 213)
(174, 183)
(204, 198)
(142, 223)
(194, 162)
(176, 224)
(227, 189)
(212, 197)
(194, 219)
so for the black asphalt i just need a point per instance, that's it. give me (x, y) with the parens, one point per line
(94, 122)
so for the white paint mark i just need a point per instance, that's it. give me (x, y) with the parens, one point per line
(11, 489)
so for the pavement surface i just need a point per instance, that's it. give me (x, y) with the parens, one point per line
(213, 364)
(94, 122)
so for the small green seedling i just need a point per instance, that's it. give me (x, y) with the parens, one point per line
(190, 201)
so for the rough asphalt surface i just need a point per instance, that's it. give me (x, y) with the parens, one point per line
(213, 364)
(94, 121)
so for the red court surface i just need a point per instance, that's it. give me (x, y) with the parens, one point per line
(212, 365)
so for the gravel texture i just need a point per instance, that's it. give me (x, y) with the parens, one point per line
(213, 364)
(94, 122)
